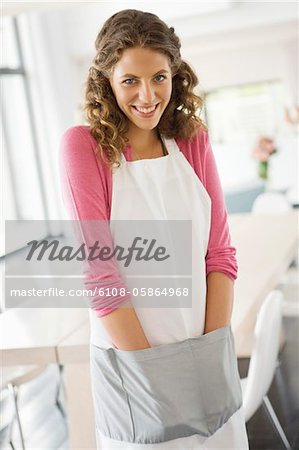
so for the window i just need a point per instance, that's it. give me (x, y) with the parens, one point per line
(23, 188)
(242, 113)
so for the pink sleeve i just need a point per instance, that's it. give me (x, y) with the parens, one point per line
(221, 256)
(85, 195)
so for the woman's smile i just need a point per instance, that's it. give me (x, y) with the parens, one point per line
(146, 111)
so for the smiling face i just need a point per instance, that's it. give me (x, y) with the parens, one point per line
(142, 82)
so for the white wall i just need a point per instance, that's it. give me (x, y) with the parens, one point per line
(239, 57)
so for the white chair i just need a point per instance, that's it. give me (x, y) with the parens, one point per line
(12, 378)
(263, 361)
(7, 418)
(271, 202)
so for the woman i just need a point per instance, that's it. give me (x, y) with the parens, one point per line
(162, 377)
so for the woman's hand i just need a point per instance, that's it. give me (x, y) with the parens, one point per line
(124, 328)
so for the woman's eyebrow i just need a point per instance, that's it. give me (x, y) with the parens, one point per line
(127, 75)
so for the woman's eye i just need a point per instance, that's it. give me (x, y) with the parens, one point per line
(160, 77)
(129, 81)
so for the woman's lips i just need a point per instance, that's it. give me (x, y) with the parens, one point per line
(145, 114)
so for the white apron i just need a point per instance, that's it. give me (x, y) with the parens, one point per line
(167, 188)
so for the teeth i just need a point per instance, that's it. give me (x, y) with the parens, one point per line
(145, 110)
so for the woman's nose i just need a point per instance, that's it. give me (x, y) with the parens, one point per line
(146, 93)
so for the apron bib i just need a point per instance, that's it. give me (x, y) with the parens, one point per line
(187, 383)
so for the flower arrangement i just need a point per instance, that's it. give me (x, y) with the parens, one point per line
(263, 150)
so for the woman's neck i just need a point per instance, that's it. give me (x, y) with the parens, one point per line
(143, 140)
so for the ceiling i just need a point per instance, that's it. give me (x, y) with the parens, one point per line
(165, 7)
(210, 24)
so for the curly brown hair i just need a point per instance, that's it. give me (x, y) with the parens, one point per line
(108, 124)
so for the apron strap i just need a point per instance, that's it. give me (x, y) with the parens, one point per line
(122, 159)
(170, 145)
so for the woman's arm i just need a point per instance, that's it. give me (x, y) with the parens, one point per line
(221, 263)
(219, 301)
(84, 188)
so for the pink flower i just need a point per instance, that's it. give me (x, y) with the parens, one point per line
(264, 149)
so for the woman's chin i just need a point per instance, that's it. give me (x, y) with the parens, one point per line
(144, 125)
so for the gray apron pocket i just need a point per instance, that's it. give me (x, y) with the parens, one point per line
(219, 380)
(166, 392)
(112, 411)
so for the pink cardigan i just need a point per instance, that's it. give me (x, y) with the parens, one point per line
(87, 191)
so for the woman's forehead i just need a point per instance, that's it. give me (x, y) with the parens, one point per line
(137, 61)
